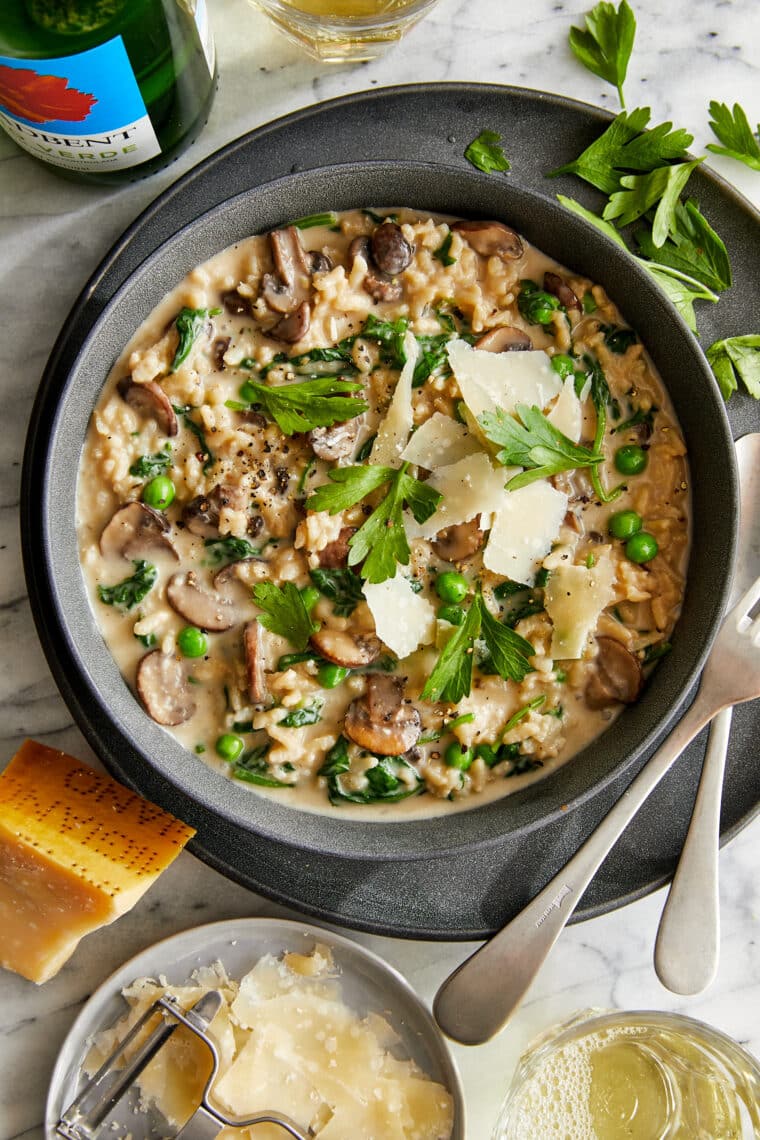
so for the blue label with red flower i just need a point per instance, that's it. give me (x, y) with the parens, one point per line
(82, 112)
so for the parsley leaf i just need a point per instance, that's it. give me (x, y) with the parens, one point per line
(641, 191)
(534, 444)
(189, 323)
(627, 145)
(147, 466)
(681, 289)
(304, 405)
(693, 247)
(733, 130)
(606, 228)
(285, 612)
(125, 595)
(451, 678)
(307, 714)
(342, 586)
(606, 43)
(485, 153)
(733, 359)
(381, 541)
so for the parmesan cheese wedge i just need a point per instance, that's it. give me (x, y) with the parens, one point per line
(471, 487)
(440, 442)
(76, 851)
(523, 530)
(399, 419)
(574, 598)
(491, 380)
(403, 620)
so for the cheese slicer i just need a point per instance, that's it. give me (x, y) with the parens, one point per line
(89, 1111)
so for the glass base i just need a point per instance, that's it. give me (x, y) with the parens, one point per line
(334, 47)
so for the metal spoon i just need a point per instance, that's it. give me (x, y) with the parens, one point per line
(479, 998)
(688, 940)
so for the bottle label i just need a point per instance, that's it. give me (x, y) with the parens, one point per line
(204, 32)
(82, 112)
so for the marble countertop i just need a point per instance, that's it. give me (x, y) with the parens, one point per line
(53, 235)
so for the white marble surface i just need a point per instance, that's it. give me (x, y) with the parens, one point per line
(54, 233)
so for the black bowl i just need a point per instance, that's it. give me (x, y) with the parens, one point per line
(152, 761)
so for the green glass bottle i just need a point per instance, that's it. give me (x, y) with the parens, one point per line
(105, 90)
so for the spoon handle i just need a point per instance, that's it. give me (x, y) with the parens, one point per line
(479, 998)
(688, 939)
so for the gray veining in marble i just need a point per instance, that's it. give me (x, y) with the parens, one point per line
(53, 233)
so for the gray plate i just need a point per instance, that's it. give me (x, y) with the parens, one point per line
(474, 876)
(369, 985)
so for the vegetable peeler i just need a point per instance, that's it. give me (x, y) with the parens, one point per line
(88, 1112)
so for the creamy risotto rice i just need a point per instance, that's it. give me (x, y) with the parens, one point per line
(381, 504)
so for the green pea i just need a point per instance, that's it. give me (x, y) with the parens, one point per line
(310, 595)
(229, 746)
(331, 675)
(159, 492)
(630, 459)
(452, 614)
(192, 642)
(563, 365)
(452, 586)
(457, 756)
(624, 524)
(488, 754)
(641, 547)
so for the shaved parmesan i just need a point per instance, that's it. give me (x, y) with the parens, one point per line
(491, 380)
(403, 620)
(523, 531)
(397, 424)
(439, 442)
(574, 598)
(471, 487)
(567, 413)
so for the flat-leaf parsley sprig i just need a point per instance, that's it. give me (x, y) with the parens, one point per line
(535, 444)
(304, 405)
(485, 153)
(381, 542)
(604, 46)
(731, 127)
(451, 679)
(285, 612)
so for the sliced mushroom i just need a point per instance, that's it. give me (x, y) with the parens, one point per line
(490, 238)
(290, 286)
(554, 284)
(149, 400)
(238, 571)
(617, 675)
(294, 326)
(218, 349)
(456, 543)
(380, 286)
(380, 721)
(198, 606)
(336, 442)
(390, 250)
(319, 262)
(253, 647)
(335, 554)
(134, 530)
(201, 514)
(163, 688)
(351, 650)
(505, 338)
(236, 304)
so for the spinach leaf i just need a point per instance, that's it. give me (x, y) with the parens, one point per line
(342, 586)
(384, 783)
(307, 714)
(148, 466)
(230, 549)
(126, 594)
(189, 323)
(252, 768)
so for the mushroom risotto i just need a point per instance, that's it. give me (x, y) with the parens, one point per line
(380, 504)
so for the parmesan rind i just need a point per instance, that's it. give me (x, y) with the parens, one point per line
(394, 429)
(440, 442)
(574, 598)
(567, 413)
(501, 380)
(403, 620)
(523, 531)
(471, 487)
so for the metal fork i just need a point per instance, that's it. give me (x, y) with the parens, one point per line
(479, 998)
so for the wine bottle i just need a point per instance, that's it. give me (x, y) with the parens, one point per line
(105, 90)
